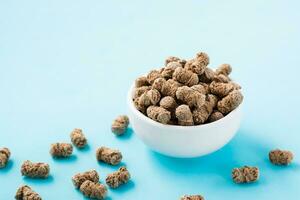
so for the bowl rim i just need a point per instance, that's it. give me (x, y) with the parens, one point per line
(170, 126)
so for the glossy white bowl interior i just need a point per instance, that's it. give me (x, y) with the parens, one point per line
(183, 141)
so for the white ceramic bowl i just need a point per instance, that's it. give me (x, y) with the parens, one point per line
(183, 141)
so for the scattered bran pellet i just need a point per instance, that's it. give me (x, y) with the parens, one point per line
(26, 193)
(280, 157)
(245, 174)
(35, 170)
(78, 138)
(79, 178)
(4, 157)
(61, 150)
(93, 190)
(119, 125)
(108, 155)
(118, 178)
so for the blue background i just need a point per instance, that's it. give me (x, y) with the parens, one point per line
(67, 64)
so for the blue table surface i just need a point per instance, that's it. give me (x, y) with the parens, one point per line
(68, 64)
